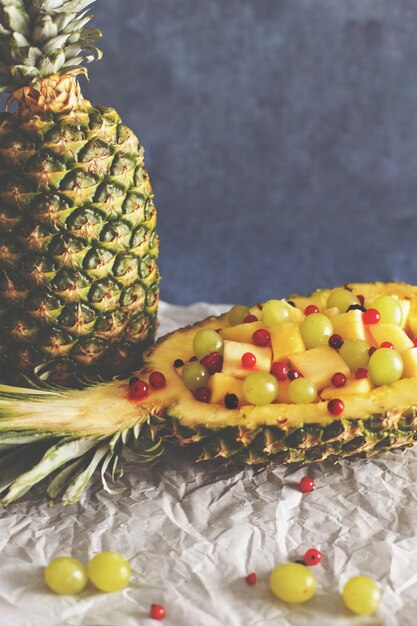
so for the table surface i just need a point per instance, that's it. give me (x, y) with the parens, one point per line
(193, 532)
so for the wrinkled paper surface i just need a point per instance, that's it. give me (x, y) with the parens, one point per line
(193, 532)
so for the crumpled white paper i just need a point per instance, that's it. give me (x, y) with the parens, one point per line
(193, 532)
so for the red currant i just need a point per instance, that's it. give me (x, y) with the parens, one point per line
(361, 300)
(371, 350)
(248, 360)
(193, 358)
(414, 340)
(387, 344)
(251, 578)
(312, 556)
(157, 380)
(293, 374)
(310, 309)
(336, 406)
(306, 484)
(261, 337)
(213, 362)
(202, 394)
(362, 372)
(279, 370)
(336, 341)
(250, 318)
(371, 316)
(139, 390)
(157, 611)
(339, 379)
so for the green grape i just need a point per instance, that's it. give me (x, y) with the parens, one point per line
(293, 583)
(109, 571)
(362, 595)
(302, 391)
(237, 314)
(389, 309)
(260, 388)
(65, 575)
(342, 299)
(194, 375)
(275, 312)
(355, 353)
(206, 341)
(385, 366)
(316, 330)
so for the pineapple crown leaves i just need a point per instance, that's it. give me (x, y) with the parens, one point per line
(43, 37)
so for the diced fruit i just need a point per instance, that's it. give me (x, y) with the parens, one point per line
(392, 333)
(355, 353)
(202, 394)
(351, 387)
(157, 380)
(331, 312)
(275, 312)
(335, 407)
(194, 375)
(248, 360)
(260, 388)
(336, 341)
(206, 341)
(231, 401)
(286, 339)
(409, 358)
(349, 325)
(232, 358)
(319, 298)
(293, 583)
(412, 317)
(339, 379)
(237, 314)
(261, 337)
(405, 308)
(250, 318)
(362, 595)
(319, 364)
(385, 366)
(296, 315)
(316, 330)
(302, 391)
(222, 385)
(389, 309)
(341, 299)
(213, 362)
(280, 370)
(241, 332)
(310, 309)
(283, 396)
(138, 389)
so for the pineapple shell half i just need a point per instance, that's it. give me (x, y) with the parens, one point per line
(68, 435)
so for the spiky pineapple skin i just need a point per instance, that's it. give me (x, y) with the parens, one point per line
(78, 246)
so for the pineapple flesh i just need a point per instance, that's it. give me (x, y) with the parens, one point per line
(67, 435)
(78, 245)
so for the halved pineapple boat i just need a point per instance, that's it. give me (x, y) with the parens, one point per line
(233, 392)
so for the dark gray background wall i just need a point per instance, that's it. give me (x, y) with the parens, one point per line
(280, 136)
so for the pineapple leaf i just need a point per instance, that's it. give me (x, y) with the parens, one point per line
(63, 478)
(76, 487)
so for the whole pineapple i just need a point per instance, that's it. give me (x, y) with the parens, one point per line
(78, 247)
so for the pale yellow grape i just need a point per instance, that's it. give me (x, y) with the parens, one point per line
(316, 330)
(109, 571)
(260, 388)
(237, 314)
(302, 391)
(206, 341)
(341, 299)
(355, 353)
(385, 366)
(195, 375)
(275, 312)
(293, 583)
(389, 309)
(65, 575)
(362, 595)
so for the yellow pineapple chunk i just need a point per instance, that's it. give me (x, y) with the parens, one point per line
(405, 307)
(241, 332)
(286, 339)
(349, 325)
(410, 362)
(222, 384)
(232, 358)
(412, 317)
(319, 364)
(297, 316)
(363, 385)
(283, 396)
(331, 312)
(392, 333)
